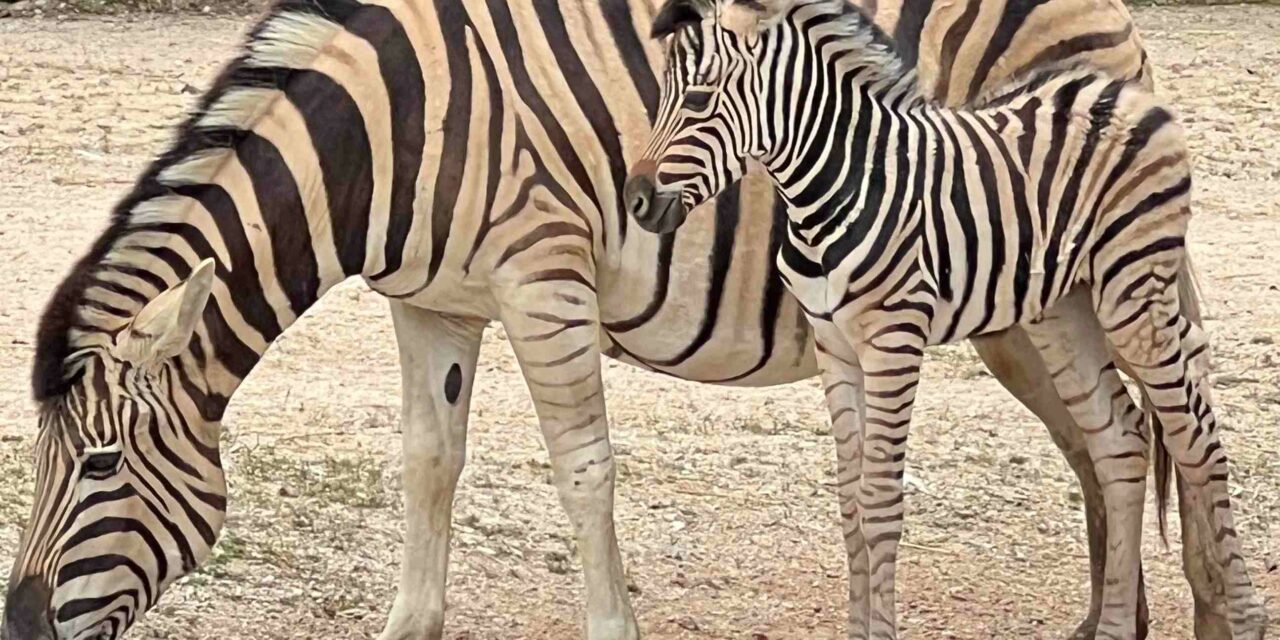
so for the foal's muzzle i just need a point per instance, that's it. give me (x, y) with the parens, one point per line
(655, 211)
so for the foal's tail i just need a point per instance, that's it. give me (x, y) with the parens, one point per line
(1189, 299)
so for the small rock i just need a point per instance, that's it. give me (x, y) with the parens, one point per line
(558, 563)
(1018, 458)
(1231, 380)
(1262, 340)
(687, 623)
(16, 8)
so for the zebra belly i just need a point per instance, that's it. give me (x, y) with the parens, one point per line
(989, 294)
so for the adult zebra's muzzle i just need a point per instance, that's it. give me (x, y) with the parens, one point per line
(26, 612)
(654, 210)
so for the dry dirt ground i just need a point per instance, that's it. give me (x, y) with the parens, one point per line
(725, 508)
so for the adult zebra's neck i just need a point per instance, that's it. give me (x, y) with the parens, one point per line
(839, 90)
(272, 178)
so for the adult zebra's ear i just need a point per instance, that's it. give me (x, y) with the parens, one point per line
(677, 14)
(164, 326)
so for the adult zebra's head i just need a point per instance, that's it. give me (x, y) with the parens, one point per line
(130, 493)
(710, 119)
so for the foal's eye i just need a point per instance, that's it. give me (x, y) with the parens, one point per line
(100, 466)
(696, 99)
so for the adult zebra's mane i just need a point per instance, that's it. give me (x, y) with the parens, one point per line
(288, 38)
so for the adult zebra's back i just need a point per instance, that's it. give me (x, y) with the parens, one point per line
(464, 157)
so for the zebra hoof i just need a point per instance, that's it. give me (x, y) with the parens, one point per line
(1085, 631)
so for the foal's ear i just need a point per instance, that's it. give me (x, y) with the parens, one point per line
(747, 18)
(676, 14)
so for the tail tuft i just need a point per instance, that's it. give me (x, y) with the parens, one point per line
(1163, 470)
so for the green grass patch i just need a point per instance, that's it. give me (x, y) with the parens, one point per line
(352, 481)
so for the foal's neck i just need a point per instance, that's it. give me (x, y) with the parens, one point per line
(861, 96)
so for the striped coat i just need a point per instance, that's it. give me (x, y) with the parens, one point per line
(466, 159)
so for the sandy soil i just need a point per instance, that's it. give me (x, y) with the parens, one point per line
(725, 502)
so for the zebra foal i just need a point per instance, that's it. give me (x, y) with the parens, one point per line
(911, 224)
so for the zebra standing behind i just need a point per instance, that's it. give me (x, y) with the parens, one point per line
(910, 224)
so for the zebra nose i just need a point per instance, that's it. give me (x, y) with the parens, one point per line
(26, 611)
(638, 196)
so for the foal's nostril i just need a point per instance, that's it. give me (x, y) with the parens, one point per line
(639, 206)
(638, 195)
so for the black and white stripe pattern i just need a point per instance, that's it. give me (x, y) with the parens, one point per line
(910, 224)
(423, 146)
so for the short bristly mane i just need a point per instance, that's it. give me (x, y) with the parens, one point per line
(869, 47)
(869, 43)
(289, 37)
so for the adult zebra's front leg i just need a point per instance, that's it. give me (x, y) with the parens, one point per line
(550, 312)
(437, 366)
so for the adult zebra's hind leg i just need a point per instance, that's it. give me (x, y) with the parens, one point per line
(1073, 348)
(437, 366)
(551, 316)
(1019, 367)
(1017, 364)
(844, 389)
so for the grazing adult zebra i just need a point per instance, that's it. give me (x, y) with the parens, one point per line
(911, 224)
(337, 145)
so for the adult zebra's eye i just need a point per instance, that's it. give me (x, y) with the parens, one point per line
(100, 466)
(696, 99)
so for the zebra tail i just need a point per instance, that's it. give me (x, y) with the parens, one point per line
(1163, 469)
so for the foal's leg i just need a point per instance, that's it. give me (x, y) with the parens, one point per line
(1207, 589)
(890, 349)
(548, 305)
(1073, 348)
(843, 386)
(437, 365)
(1140, 309)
